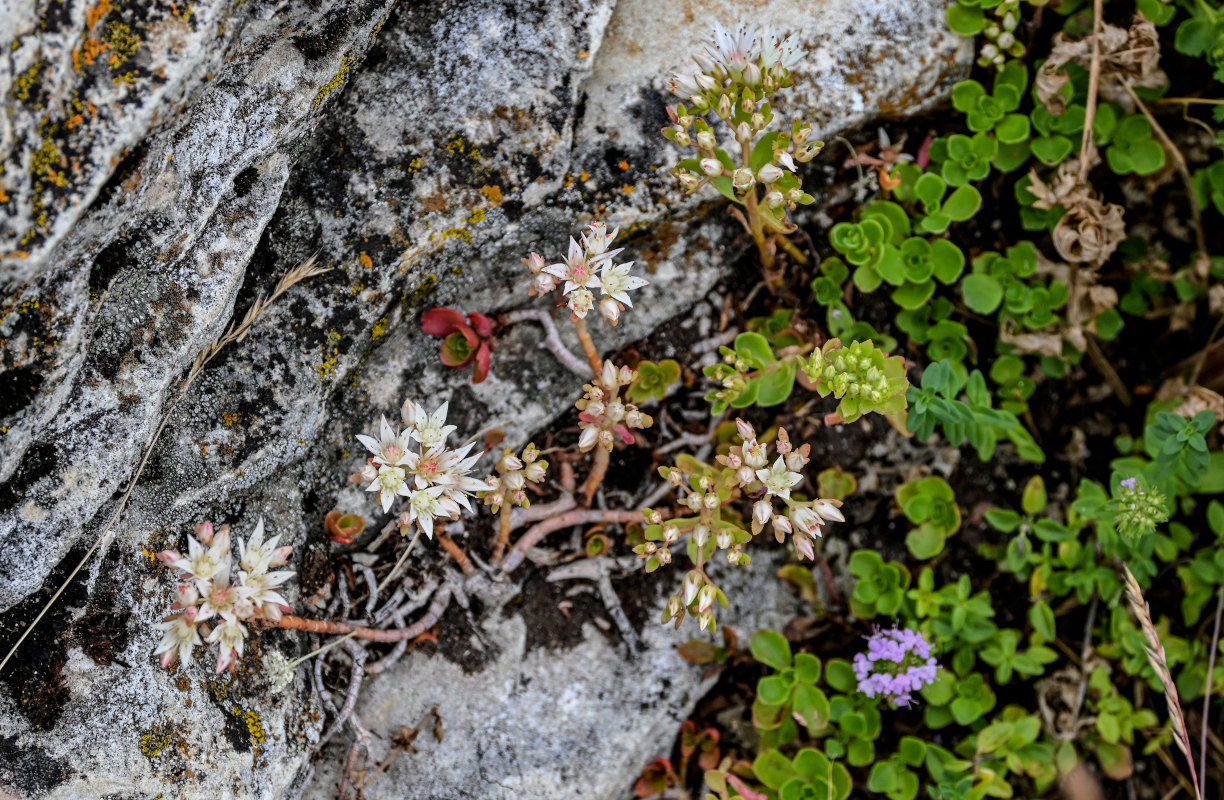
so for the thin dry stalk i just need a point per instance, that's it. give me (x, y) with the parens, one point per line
(1200, 238)
(1156, 657)
(1207, 693)
(236, 333)
(1094, 83)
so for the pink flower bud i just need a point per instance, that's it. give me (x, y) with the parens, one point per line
(712, 167)
(535, 263)
(769, 174)
(204, 532)
(745, 430)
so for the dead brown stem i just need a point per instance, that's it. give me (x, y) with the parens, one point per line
(333, 628)
(503, 533)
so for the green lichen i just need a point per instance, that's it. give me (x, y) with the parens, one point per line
(337, 81)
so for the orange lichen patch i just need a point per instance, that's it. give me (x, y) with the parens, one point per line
(4, 198)
(95, 15)
(434, 203)
(628, 188)
(492, 193)
(584, 176)
(624, 166)
(365, 260)
(87, 53)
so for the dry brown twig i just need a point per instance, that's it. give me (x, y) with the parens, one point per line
(1156, 657)
(236, 333)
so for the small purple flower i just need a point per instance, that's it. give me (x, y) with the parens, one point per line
(1130, 483)
(897, 663)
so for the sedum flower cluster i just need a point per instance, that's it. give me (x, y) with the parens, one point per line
(736, 73)
(897, 663)
(417, 464)
(1139, 508)
(745, 471)
(508, 486)
(211, 603)
(861, 376)
(588, 266)
(604, 417)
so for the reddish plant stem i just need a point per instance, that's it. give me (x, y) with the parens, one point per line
(588, 346)
(538, 511)
(599, 471)
(456, 552)
(503, 533)
(577, 517)
(332, 628)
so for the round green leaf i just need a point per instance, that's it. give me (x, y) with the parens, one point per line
(982, 293)
(771, 649)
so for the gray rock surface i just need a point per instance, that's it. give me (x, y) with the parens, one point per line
(164, 164)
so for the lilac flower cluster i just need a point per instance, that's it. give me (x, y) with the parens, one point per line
(897, 663)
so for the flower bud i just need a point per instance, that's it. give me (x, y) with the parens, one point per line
(774, 199)
(745, 475)
(725, 104)
(701, 535)
(535, 263)
(590, 435)
(692, 583)
(711, 501)
(664, 556)
(744, 429)
(782, 524)
(633, 417)
(769, 174)
(752, 74)
(712, 167)
(682, 137)
(705, 140)
(674, 477)
(827, 510)
(705, 82)
(725, 539)
(535, 472)
(762, 510)
(758, 121)
(609, 309)
(743, 132)
(706, 597)
(606, 440)
(704, 62)
(693, 501)
(509, 462)
(688, 181)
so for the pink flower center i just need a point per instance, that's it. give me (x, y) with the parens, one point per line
(428, 469)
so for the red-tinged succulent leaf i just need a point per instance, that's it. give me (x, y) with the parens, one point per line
(484, 357)
(655, 778)
(697, 652)
(624, 434)
(481, 324)
(743, 789)
(441, 321)
(457, 351)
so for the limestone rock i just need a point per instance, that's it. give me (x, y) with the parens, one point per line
(164, 164)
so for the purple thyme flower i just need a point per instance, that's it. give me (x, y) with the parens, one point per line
(897, 663)
(1130, 483)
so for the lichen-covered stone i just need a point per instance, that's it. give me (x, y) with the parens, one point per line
(164, 164)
